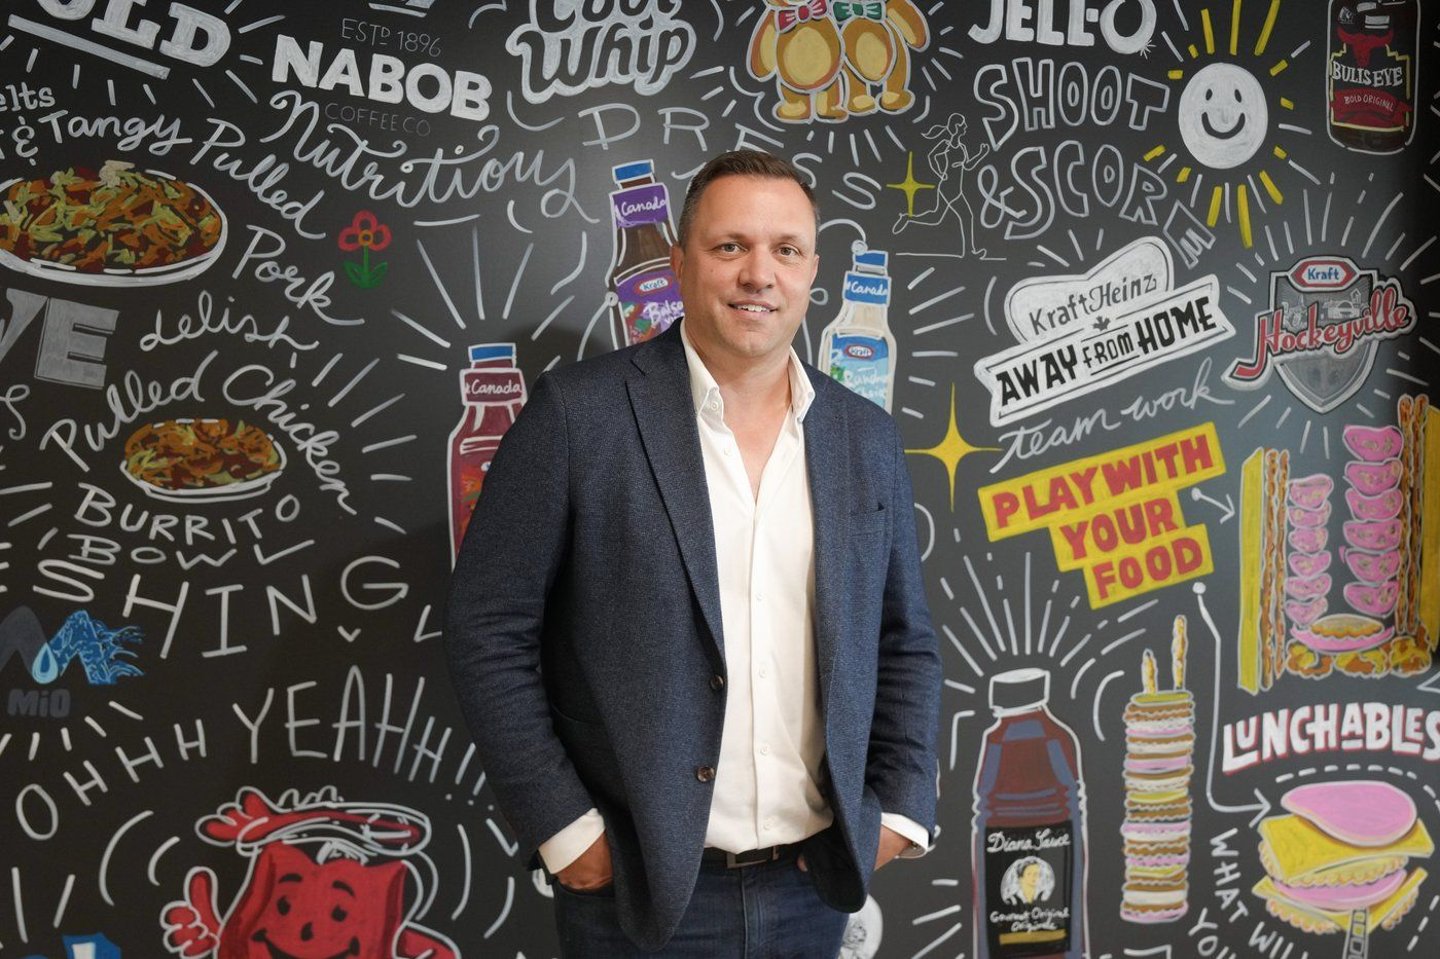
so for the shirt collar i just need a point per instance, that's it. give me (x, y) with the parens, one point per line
(705, 392)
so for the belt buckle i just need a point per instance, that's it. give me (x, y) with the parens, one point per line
(752, 857)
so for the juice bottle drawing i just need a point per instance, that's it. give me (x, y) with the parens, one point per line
(857, 348)
(493, 390)
(1029, 851)
(647, 297)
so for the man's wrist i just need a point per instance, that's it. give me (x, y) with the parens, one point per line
(567, 845)
(917, 835)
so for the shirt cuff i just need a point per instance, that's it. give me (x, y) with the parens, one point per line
(918, 835)
(563, 848)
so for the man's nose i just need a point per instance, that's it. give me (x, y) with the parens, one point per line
(757, 271)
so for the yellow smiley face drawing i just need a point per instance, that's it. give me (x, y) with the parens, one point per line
(1222, 115)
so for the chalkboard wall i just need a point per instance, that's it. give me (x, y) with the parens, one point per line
(1158, 282)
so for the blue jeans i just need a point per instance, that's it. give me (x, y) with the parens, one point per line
(766, 911)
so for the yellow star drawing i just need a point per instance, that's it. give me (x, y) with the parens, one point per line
(952, 449)
(910, 186)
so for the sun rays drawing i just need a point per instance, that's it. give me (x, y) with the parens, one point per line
(1235, 124)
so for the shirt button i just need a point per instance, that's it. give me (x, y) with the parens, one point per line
(764, 749)
(762, 672)
(768, 824)
(705, 773)
(717, 682)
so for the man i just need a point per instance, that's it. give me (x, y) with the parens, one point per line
(687, 625)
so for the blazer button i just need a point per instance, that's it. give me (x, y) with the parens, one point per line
(705, 773)
(717, 682)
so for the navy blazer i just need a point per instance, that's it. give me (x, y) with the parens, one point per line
(585, 641)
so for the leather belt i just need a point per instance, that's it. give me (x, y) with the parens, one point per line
(751, 857)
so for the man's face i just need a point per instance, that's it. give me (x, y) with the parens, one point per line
(746, 268)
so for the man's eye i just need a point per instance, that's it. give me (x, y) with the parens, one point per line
(729, 247)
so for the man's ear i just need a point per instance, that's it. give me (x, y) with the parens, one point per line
(677, 259)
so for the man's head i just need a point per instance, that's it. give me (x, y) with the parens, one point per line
(740, 163)
(745, 259)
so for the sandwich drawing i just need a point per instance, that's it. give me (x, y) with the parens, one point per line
(1363, 535)
(1344, 848)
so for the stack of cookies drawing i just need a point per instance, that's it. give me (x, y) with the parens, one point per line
(1159, 751)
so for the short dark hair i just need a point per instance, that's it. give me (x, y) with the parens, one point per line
(741, 163)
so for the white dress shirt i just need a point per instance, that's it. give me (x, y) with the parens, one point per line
(767, 788)
(772, 747)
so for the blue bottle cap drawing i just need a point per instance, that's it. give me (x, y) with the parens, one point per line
(872, 260)
(486, 352)
(633, 171)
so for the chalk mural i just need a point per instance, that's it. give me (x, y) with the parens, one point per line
(1146, 284)
(325, 876)
(1289, 570)
(1159, 811)
(829, 60)
(1339, 861)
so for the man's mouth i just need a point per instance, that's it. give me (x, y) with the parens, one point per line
(752, 307)
(277, 953)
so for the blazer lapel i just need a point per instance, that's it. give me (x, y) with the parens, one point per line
(827, 460)
(665, 417)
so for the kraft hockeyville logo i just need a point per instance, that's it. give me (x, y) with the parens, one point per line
(101, 651)
(1326, 320)
(1386, 316)
(1323, 274)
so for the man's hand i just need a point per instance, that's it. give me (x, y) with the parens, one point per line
(592, 871)
(891, 845)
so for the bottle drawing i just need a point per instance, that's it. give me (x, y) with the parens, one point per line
(1371, 73)
(493, 390)
(646, 295)
(1029, 852)
(857, 348)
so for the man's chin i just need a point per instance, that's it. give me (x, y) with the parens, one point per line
(757, 347)
(751, 345)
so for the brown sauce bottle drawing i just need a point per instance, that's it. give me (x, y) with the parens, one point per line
(646, 296)
(1029, 837)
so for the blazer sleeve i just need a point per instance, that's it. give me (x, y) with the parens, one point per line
(512, 552)
(901, 766)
